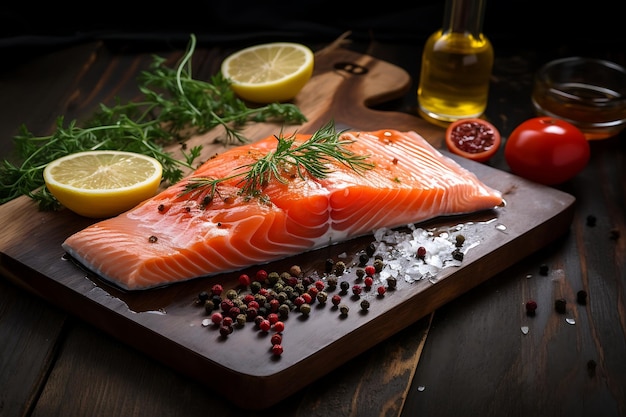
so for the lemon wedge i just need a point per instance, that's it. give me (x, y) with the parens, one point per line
(100, 184)
(269, 73)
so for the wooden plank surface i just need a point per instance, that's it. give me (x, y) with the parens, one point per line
(30, 247)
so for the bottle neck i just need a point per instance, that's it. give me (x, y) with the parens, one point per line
(464, 16)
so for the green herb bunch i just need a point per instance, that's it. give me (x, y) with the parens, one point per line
(174, 107)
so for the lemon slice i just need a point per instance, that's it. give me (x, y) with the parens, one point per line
(268, 73)
(101, 184)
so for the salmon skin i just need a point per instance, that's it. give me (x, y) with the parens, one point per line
(176, 236)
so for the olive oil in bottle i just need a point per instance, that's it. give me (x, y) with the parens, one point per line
(456, 66)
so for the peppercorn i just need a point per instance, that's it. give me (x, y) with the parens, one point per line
(216, 318)
(283, 311)
(531, 307)
(331, 282)
(153, 239)
(265, 325)
(322, 297)
(336, 300)
(255, 287)
(421, 252)
(356, 290)
(225, 330)
(231, 294)
(344, 286)
(392, 283)
(581, 297)
(209, 306)
(365, 305)
(368, 282)
(344, 309)
(305, 309)
(330, 264)
(244, 280)
(241, 319)
(340, 268)
(378, 265)
(360, 273)
(381, 291)
(277, 350)
(370, 270)
(543, 269)
(370, 249)
(276, 339)
(457, 255)
(272, 278)
(560, 305)
(459, 241)
(295, 270)
(363, 258)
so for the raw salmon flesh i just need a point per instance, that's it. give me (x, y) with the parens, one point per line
(176, 236)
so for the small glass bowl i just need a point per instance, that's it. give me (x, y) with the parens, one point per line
(589, 93)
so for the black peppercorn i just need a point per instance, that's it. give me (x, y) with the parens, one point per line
(363, 258)
(391, 283)
(560, 306)
(345, 286)
(581, 297)
(330, 264)
(371, 248)
(543, 269)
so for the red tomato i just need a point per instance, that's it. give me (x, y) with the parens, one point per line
(474, 139)
(546, 150)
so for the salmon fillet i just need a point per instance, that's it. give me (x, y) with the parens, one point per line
(176, 236)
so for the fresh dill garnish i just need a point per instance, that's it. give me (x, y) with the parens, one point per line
(311, 157)
(174, 107)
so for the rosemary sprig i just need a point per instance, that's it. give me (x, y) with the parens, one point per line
(174, 108)
(311, 157)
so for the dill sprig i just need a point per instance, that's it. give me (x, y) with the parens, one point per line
(174, 107)
(312, 157)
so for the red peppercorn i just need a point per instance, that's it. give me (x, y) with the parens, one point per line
(217, 289)
(298, 301)
(227, 321)
(279, 326)
(217, 318)
(531, 307)
(244, 280)
(368, 281)
(307, 297)
(421, 252)
(319, 284)
(225, 330)
(370, 270)
(276, 339)
(312, 291)
(261, 275)
(272, 317)
(265, 325)
(336, 300)
(274, 304)
(254, 304)
(381, 290)
(277, 350)
(356, 289)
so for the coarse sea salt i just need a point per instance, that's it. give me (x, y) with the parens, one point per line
(398, 248)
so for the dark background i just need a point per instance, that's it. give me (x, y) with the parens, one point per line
(24, 26)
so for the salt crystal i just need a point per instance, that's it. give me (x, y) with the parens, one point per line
(525, 329)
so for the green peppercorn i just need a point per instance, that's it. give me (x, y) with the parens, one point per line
(344, 309)
(278, 287)
(331, 282)
(283, 310)
(305, 309)
(378, 265)
(299, 288)
(340, 268)
(209, 306)
(460, 240)
(255, 287)
(272, 278)
(241, 319)
(231, 294)
(360, 273)
(322, 296)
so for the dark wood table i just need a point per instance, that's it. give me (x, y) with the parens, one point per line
(469, 357)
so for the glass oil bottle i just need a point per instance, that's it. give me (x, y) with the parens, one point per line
(456, 66)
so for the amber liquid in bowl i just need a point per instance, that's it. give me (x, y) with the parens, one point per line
(597, 106)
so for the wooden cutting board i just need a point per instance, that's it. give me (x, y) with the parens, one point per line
(168, 325)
